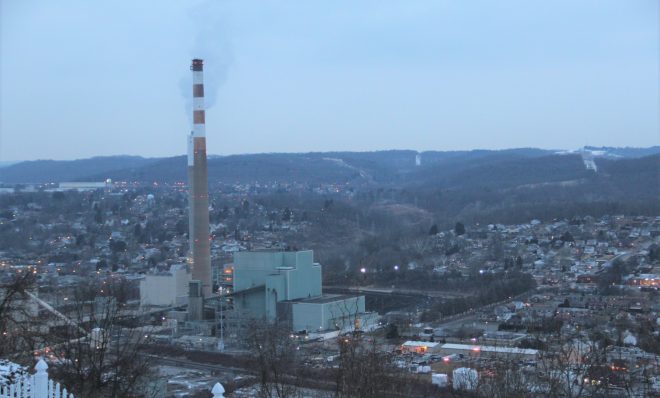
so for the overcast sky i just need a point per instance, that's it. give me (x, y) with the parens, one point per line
(82, 78)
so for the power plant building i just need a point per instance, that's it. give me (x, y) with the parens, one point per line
(165, 288)
(286, 287)
(274, 286)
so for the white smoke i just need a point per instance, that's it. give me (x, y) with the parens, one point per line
(212, 44)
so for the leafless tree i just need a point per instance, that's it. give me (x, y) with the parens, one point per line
(569, 368)
(365, 371)
(101, 357)
(629, 378)
(362, 369)
(419, 246)
(276, 354)
(19, 332)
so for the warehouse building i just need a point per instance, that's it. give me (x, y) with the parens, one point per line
(489, 351)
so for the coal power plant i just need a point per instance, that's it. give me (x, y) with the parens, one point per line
(198, 189)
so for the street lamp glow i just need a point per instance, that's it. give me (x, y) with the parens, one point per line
(363, 270)
(396, 267)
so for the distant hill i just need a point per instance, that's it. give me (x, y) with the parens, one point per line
(472, 186)
(518, 188)
(446, 170)
(480, 166)
(635, 179)
(627, 152)
(511, 172)
(44, 171)
(244, 169)
(5, 163)
(382, 167)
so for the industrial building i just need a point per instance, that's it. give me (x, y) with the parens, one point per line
(286, 287)
(418, 347)
(489, 351)
(166, 288)
(468, 350)
(223, 277)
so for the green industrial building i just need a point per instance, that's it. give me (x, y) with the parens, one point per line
(286, 287)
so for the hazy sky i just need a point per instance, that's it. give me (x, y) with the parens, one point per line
(81, 78)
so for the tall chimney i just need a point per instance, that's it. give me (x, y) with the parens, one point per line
(198, 190)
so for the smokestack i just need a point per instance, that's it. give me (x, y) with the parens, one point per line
(198, 190)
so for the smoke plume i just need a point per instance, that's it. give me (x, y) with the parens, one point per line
(212, 44)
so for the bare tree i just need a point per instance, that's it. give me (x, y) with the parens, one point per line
(504, 378)
(364, 370)
(276, 354)
(101, 357)
(629, 378)
(418, 246)
(568, 366)
(18, 332)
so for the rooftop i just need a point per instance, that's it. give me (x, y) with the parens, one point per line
(411, 343)
(485, 348)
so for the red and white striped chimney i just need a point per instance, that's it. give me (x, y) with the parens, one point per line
(198, 196)
(199, 126)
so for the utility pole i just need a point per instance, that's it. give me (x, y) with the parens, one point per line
(221, 342)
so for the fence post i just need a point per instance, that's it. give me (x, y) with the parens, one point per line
(218, 391)
(41, 380)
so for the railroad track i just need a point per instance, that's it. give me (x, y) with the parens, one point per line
(185, 363)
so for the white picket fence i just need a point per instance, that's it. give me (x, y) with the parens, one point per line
(35, 386)
(39, 386)
(218, 391)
